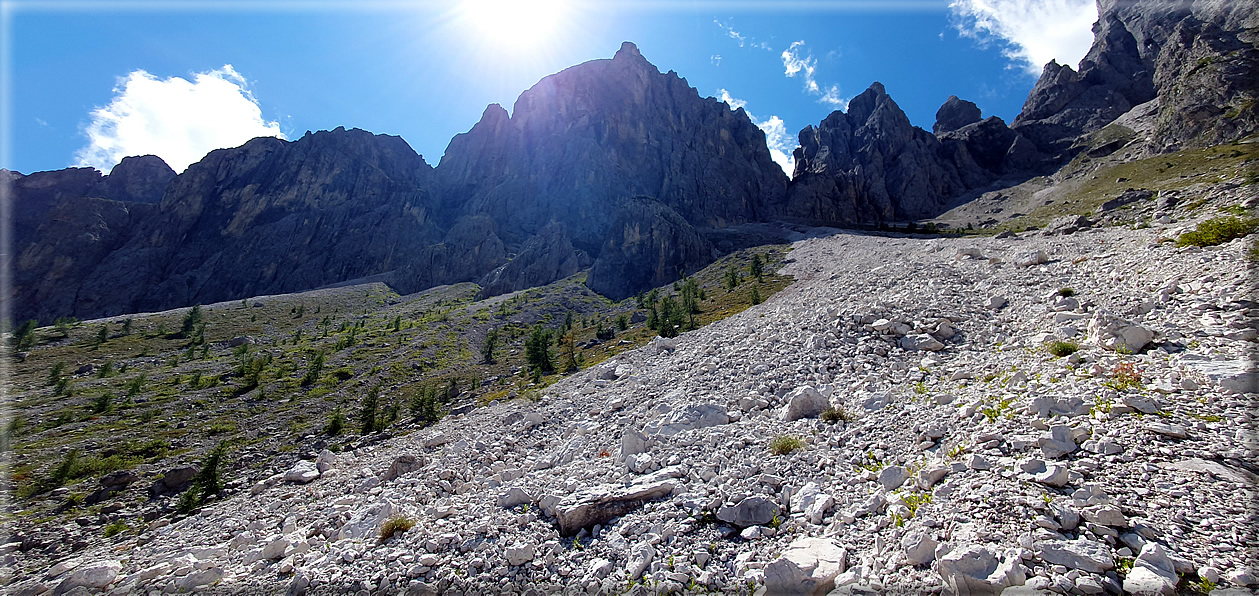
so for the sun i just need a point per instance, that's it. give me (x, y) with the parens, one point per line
(515, 24)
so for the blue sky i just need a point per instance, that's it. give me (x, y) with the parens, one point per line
(85, 83)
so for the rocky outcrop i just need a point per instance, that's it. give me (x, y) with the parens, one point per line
(954, 114)
(269, 217)
(871, 165)
(470, 249)
(547, 257)
(1198, 58)
(583, 141)
(649, 245)
(67, 221)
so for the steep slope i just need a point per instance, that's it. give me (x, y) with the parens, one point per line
(871, 165)
(270, 217)
(961, 456)
(1198, 58)
(67, 221)
(582, 142)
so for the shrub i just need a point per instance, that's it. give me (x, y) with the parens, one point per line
(191, 319)
(55, 375)
(117, 527)
(756, 296)
(757, 268)
(425, 407)
(1218, 231)
(538, 352)
(784, 444)
(367, 416)
(1062, 349)
(394, 525)
(102, 403)
(336, 423)
(622, 322)
(313, 369)
(487, 348)
(833, 415)
(1066, 292)
(102, 333)
(24, 335)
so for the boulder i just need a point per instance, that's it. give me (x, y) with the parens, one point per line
(1153, 573)
(973, 570)
(1083, 554)
(402, 465)
(302, 472)
(93, 576)
(804, 402)
(1117, 334)
(366, 522)
(599, 504)
(921, 341)
(324, 462)
(920, 547)
(519, 554)
(751, 511)
(175, 480)
(688, 417)
(807, 567)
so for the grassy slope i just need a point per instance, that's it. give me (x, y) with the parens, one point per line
(172, 398)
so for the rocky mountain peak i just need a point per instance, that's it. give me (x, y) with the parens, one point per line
(954, 114)
(628, 51)
(141, 179)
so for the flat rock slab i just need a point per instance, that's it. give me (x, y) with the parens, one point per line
(1214, 468)
(586, 508)
(1085, 555)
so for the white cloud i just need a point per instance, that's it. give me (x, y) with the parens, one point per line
(716, 59)
(175, 119)
(1036, 31)
(781, 145)
(734, 103)
(795, 64)
(832, 98)
(735, 35)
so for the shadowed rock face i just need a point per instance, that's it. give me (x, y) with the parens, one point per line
(649, 245)
(583, 141)
(871, 165)
(954, 114)
(546, 257)
(67, 221)
(267, 217)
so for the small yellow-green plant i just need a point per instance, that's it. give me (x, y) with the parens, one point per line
(784, 444)
(1062, 349)
(994, 411)
(956, 451)
(394, 525)
(915, 500)
(1066, 292)
(1218, 231)
(115, 528)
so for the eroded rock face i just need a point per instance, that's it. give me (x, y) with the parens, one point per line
(548, 256)
(871, 165)
(647, 247)
(954, 114)
(1197, 58)
(581, 142)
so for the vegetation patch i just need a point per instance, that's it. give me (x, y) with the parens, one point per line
(1218, 231)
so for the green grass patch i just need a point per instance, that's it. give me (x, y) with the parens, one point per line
(1218, 231)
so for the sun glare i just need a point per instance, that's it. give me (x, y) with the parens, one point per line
(515, 24)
